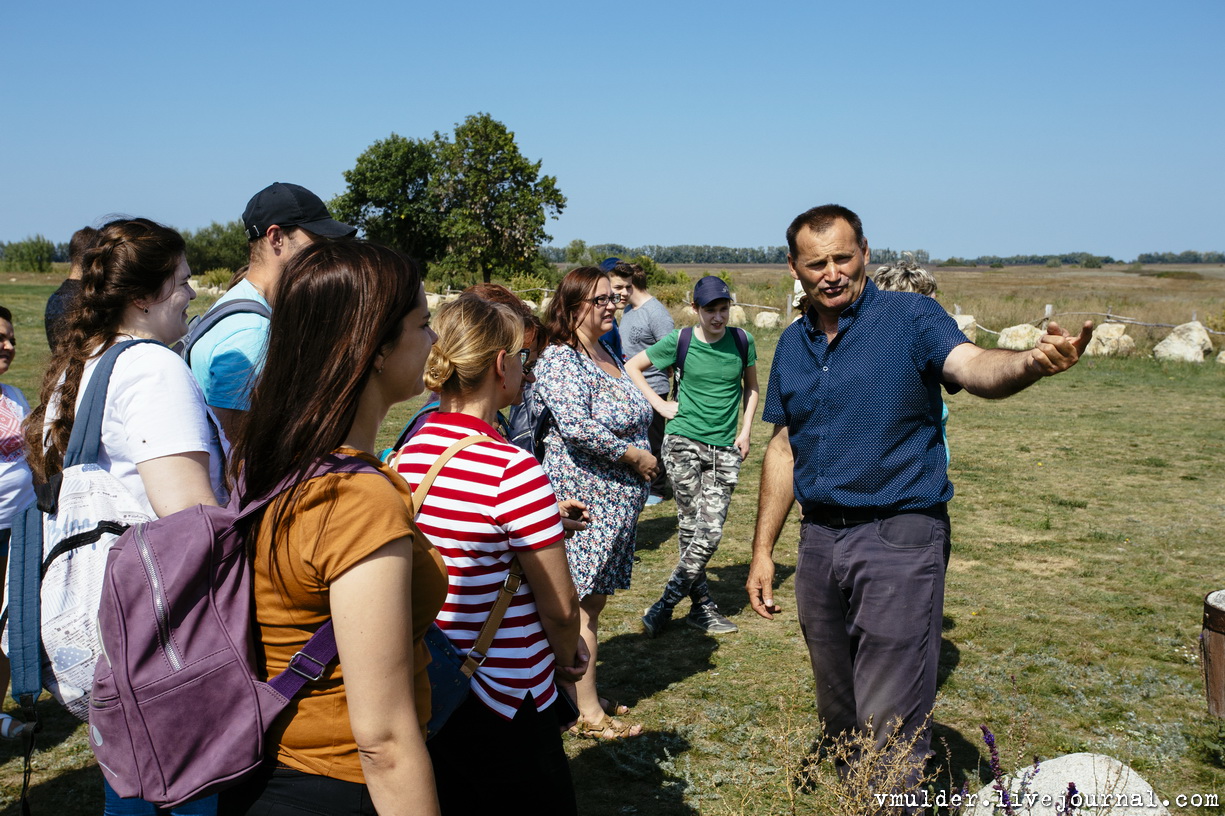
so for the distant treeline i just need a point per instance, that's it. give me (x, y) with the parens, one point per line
(694, 254)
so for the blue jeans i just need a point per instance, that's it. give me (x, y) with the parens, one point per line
(116, 806)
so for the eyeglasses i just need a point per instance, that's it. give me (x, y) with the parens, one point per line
(524, 356)
(604, 300)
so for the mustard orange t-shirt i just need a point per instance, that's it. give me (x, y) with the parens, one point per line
(337, 520)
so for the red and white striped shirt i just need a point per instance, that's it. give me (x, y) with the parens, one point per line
(490, 501)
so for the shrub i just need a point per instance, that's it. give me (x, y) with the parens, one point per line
(1091, 262)
(997, 265)
(218, 278)
(1053, 263)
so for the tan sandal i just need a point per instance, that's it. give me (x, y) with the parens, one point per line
(614, 708)
(606, 728)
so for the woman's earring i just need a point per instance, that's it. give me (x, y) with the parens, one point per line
(146, 310)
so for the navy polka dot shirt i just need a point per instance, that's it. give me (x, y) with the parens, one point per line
(863, 411)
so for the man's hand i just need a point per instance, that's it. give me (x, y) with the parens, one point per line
(1057, 350)
(668, 409)
(574, 516)
(761, 587)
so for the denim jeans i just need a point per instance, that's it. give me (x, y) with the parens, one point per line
(139, 807)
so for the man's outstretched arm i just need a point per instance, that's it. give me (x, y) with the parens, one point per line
(774, 499)
(999, 373)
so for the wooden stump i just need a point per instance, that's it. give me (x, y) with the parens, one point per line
(1212, 651)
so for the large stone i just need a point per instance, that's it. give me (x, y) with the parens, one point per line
(736, 316)
(545, 303)
(1109, 340)
(432, 300)
(765, 320)
(1194, 333)
(968, 326)
(1104, 784)
(1020, 338)
(1220, 358)
(1179, 349)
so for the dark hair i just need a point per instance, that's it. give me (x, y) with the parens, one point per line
(819, 219)
(130, 259)
(533, 329)
(631, 272)
(339, 304)
(5, 314)
(568, 301)
(81, 241)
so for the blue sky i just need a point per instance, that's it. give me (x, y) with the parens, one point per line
(961, 128)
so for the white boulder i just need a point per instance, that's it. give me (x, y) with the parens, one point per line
(765, 320)
(531, 305)
(1109, 340)
(736, 316)
(1187, 343)
(1020, 338)
(1220, 358)
(1104, 784)
(432, 300)
(545, 303)
(968, 326)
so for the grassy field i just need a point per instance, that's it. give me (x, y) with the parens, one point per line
(1086, 531)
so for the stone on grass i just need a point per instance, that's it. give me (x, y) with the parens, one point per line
(432, 300)
(765, 320)
(545, 303)
(1020, 338)
(736, 316)
(531, 305)
(968, 326)
(1185, 344)
(1105, 785)
(1220, 358)
(1194, 333)
(1109, 340)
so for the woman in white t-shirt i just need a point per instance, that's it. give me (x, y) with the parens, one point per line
(157, 437)
(16, 485)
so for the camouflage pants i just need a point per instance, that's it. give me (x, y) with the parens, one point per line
(703, 478)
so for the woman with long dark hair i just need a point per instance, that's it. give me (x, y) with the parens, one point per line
(348, 339)
(596, 452)
(157, 438)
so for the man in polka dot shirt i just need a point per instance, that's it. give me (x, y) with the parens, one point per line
(854, 395)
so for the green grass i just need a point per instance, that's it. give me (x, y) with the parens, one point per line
(1086, 531)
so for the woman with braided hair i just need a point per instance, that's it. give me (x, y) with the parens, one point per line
(157, 437)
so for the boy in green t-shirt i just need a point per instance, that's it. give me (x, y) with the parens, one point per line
(706, 439)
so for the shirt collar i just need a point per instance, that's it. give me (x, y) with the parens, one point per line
(847, 315)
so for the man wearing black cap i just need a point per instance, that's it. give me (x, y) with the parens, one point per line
(280, 220)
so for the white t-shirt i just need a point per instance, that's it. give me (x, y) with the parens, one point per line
(154, 408)
(16, 481)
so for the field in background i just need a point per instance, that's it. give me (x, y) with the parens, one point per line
(1086, 530)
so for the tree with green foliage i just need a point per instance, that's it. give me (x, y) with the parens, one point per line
(217, 246)
(34, 254)
(393, 197)
(494, 201)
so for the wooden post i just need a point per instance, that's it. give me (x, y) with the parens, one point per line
(1212, 651)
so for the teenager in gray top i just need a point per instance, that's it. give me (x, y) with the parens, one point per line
(644, 322)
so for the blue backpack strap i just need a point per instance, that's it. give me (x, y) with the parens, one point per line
(203, 324)
(86, 438)
(742, 345)
(411, 428)
(25, 607)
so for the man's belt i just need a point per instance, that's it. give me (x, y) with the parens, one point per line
(833, 515)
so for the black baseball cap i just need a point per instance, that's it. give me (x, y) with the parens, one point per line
(710, 289)
(291, 205)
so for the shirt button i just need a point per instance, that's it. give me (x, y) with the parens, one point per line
(825, 368)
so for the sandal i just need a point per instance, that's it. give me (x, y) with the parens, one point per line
(10, 728)
(613, 708)
(606, 729)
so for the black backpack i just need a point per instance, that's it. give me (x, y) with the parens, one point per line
(202, 324)
(682, 349)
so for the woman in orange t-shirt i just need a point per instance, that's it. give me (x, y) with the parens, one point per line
(349, 338)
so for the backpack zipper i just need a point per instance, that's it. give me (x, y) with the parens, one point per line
(159, 600)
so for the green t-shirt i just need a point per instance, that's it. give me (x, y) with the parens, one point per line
(712, 388)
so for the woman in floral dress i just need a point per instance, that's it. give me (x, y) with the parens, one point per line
(596, 452)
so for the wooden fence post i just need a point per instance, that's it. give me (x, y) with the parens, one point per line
(1212, 651)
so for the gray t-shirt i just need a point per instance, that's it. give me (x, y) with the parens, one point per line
(642, 328)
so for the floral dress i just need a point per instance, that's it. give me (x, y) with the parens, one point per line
(596, 418)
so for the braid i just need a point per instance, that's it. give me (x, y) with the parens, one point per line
(129, 260)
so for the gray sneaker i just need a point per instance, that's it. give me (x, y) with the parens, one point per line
(706, 618)
(655, 619)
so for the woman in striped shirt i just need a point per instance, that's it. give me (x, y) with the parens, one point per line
(489, 504)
